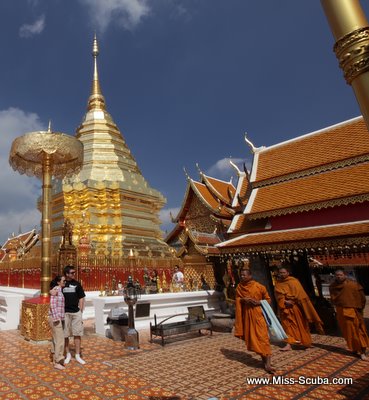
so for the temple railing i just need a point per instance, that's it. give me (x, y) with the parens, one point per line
(22, 273)
(95, 272)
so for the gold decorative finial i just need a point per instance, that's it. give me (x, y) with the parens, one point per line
(199, 169)
(95, 47)
(49, 127)
(187, 176)
(96, 100)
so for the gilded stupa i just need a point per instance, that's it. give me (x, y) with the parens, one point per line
(109, 202)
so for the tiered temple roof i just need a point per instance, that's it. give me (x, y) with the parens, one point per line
(309, 189)
(204, 217)
(325, 236)
(17, 246)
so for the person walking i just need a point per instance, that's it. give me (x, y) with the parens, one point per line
(296, 310)
(349, 299)
(56, 321)
(250, 324)
(74, 305)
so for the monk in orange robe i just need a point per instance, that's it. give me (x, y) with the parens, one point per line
(295, 310)
(250, 323)
(349, 298)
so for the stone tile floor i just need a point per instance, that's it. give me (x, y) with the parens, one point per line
(190, 367)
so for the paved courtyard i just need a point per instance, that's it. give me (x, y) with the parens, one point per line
(191, 367)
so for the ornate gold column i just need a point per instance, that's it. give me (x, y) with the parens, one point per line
(45, 231)
(350, 29)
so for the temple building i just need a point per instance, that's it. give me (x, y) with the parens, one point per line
(109, 204)
(17, 246)
(308, 205)
(202, 222)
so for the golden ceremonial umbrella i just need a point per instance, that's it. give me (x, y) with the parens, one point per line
(45, 154)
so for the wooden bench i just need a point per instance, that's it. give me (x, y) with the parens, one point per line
(196, 320)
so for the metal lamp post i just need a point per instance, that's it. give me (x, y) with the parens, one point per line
(131, 294)
(44, 154)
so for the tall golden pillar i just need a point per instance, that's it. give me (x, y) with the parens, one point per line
(350, 29)
(44, 154)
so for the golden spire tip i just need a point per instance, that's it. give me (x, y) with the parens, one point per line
(95, 47)
(49, 127)
(96, 100)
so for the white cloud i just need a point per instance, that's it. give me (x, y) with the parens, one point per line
(33, 3)
(19, 193)
(29, 30)
(180, 12)
(125, 13)
(222, 169)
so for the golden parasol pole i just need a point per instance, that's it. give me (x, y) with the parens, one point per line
(350, 29)
(45, 228)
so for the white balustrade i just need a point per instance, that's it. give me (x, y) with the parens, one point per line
(162, 304)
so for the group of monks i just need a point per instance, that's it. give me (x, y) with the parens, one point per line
(297, 313)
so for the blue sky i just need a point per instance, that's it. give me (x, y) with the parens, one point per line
(183, 80)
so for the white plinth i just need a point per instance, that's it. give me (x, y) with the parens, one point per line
(10, 306)
(162, 304)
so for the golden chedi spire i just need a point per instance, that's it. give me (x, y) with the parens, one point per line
(96, 100)
(119, 203)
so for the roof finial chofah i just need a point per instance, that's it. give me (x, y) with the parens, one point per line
(251, 145)
(185, 171)
(199, 169)
(96, 100)
(235, 167)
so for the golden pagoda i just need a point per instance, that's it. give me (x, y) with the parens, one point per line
(109, 202)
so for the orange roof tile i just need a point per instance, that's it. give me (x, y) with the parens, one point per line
(244, 187)
(242, 218)
(22, 237)
(203, 238)
(207, 249)
(185, 203)
(339, 142)
(326, 188)
(209, 199)
(298, 235)
(220, 189)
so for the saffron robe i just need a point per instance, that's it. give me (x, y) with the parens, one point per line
(296, 319)
(349, 299)
(250, 323)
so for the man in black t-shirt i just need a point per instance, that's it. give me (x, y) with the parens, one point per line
(74, 305)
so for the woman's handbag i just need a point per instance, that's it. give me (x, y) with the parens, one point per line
(275, 329)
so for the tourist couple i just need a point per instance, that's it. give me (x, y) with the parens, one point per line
(67, 300)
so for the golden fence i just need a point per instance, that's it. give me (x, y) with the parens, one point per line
(95, 272)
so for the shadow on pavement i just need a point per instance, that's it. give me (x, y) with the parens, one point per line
(242, 357)
(363, 382)
(333, 349)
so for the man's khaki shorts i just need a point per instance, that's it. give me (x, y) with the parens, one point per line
(73, 324)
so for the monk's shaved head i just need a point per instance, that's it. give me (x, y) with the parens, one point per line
(340, 275)
(245, 275)
(283, 273)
